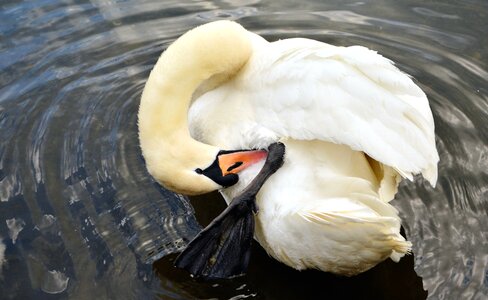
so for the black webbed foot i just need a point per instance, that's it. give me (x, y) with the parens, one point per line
(222, 249)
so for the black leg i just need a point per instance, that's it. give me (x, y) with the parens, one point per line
(222, 249)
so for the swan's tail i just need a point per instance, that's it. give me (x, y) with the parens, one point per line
(400, 248)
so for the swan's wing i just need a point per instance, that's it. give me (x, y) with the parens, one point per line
(303, 89)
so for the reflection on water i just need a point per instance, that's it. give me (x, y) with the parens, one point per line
(80, 217)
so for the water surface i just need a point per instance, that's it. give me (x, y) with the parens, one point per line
(80, 217)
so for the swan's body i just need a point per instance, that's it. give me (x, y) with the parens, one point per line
(327, 207)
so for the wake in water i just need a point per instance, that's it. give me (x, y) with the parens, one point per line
(79, 215)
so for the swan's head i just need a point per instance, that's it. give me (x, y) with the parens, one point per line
(215, 50)
(188, 167)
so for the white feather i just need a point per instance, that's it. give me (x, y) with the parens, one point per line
(327, 207)
(306, 90)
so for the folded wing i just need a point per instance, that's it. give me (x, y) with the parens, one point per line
(307, 90)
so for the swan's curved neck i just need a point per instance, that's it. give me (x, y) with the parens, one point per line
(216, 48)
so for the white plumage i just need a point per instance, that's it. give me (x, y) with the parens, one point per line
(306, 90)
(352, 123)
(326, 207)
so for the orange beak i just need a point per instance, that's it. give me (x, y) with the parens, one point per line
(237, 161)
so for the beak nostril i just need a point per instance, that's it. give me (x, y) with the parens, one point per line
(234, 166)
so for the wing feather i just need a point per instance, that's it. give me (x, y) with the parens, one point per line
(306, 90)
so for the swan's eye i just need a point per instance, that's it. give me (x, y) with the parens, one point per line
(199, 171)
(235, 165)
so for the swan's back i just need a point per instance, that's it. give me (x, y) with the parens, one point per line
(305, 90)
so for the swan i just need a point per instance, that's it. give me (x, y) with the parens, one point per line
(352, 124)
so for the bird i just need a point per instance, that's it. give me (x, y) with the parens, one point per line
(352, 126)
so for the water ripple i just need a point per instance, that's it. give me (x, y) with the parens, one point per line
(81, 216)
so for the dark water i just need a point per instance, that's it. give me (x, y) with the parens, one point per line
(80, 216)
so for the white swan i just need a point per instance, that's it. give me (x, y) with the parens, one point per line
(352, 123)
